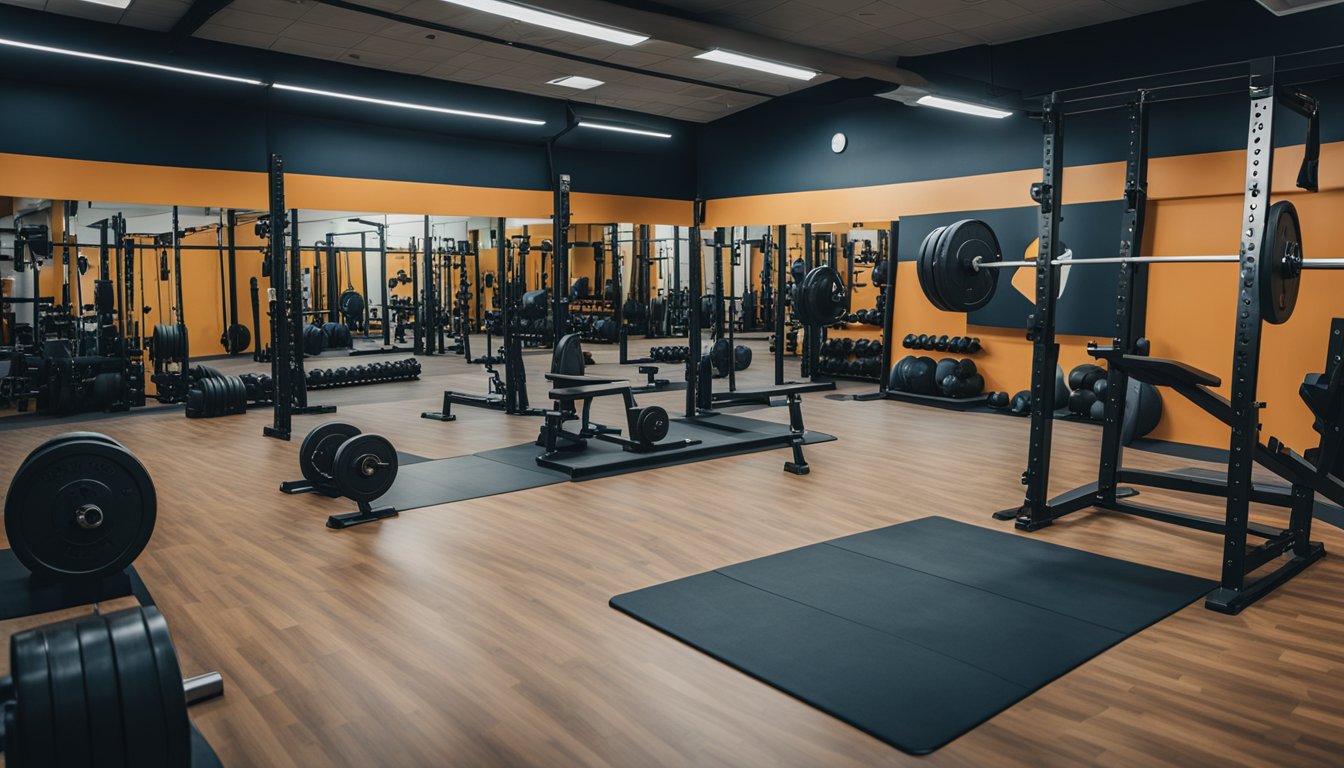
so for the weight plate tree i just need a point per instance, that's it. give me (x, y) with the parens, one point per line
(79, 507)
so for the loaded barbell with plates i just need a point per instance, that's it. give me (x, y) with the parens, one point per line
(105, 689)
(959, 271)
(819, 299)
(169, 343)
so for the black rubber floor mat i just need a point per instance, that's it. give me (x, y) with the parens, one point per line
(918, 632)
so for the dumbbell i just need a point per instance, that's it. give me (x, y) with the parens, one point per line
(909, 341)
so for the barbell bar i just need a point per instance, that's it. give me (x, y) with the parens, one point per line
(979, 263)
(957, 264)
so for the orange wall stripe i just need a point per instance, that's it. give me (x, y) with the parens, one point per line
(65, 179)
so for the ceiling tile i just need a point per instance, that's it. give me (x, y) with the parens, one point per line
(340, 18)
(277, 8)
(312, 33)
(222, 34)
(252, 22)
(306, 48)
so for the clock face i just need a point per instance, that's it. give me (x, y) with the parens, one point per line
(838, 143)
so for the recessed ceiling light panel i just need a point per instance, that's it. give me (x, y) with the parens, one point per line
(575, 81)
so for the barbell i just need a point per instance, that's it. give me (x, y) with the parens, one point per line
(958, 264)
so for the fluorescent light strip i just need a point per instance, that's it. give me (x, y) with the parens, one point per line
(619, 129)
(552, 21)
(132, 62)
(111, 3)
(760, 65)
(407, 105)
(963, 107)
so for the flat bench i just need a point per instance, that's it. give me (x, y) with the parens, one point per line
(793, 393)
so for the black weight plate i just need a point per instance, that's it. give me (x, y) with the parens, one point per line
(102, 691)
(315, 468)
(923, 262)
(173, 696)
(68, 698)
(652, 424)
(353, 483)
(40, 517)
(212, 397)
(238, 403)
(106, 388)
(1280, 263)
(34, 715)
(821, 297)
(66, 437)
(961, 287)
(721, 356)
(240, 338)
(142, 721)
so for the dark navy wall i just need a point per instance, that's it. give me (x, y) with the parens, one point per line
(784, 145)
(67, 107)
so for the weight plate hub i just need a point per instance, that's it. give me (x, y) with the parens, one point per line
(82, 508)
(365, 467)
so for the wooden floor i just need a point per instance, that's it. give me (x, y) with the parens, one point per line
(478, 634)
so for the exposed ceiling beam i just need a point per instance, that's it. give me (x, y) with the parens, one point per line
(349, 6)
(196, 16)
(675, 28)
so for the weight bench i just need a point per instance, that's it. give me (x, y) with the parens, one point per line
(793, 394)
(647, 426)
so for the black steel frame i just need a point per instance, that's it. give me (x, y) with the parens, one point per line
(1240, 560)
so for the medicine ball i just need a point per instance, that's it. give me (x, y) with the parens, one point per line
(965, 367)
(946, 367)
(998, 399)
(896, 381)
(972, 385)
(1061, 389)
(1020, 404)
(949, 386)
(1143, 411)
(1101, 387)
(1081, 401)
(1085, 375)
(920, 376)
(1098, 411)
(741, 357)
